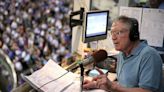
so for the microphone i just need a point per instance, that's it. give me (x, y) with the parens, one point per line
(96, 57)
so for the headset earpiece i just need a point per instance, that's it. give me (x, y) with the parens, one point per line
(134, 32)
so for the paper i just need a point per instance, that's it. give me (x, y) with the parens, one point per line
(132, 12)
(151, 23)
(53, 78)
(153, 26)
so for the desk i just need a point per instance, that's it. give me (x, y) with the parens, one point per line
(25, 87)
(50, 76)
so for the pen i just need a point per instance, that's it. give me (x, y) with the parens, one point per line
(100, 71)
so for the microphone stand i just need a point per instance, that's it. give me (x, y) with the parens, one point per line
(81, 77)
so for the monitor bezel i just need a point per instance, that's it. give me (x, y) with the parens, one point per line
(97, 37)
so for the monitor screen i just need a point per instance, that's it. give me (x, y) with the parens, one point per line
(96, 24)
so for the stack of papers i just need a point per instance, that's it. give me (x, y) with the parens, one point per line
(53, 78)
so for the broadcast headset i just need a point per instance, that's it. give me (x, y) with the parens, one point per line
(134, 31)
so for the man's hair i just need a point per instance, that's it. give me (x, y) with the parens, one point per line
(132, 24)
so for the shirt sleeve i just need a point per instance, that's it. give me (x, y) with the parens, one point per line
(150, 73)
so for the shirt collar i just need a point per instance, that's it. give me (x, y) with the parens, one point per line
(137, 49)
(140, 46)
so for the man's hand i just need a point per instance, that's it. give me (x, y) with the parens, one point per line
(101, 82)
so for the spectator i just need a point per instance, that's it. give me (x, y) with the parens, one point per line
(32, 31)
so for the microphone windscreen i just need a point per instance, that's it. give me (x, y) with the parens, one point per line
(100, 55)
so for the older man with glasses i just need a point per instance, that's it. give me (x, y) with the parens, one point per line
(139, 66)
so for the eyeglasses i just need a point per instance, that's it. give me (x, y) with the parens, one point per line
(118, 33)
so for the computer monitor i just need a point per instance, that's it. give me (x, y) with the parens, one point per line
(95, 27)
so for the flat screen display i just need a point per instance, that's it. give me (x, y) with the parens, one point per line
(96, 25)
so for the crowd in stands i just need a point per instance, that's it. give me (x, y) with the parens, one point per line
(34, 31)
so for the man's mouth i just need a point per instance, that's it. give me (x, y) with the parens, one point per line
(116, 43)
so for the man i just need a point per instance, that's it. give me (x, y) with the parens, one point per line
(156, 4)
(139, 66)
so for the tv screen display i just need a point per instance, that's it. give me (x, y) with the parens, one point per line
(96, 25)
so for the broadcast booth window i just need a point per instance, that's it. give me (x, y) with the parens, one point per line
(96, 25)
